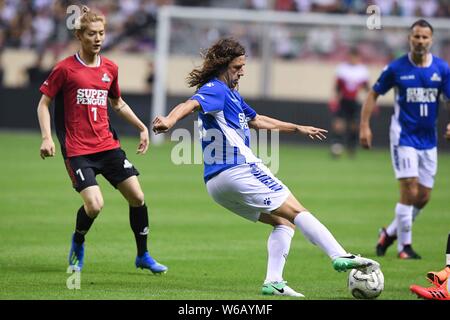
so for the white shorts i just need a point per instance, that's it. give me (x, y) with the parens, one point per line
(248, 190)
(409, 162)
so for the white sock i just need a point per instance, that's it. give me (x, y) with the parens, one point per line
(318, 234)
(392, 228)
(403, 214)
(278, 246)
(448, 259)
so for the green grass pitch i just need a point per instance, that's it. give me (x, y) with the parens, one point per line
(211, 253)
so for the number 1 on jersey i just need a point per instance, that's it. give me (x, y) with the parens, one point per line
(94, 111)
(423, 110)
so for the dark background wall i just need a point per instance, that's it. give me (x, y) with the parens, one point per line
(18, 111)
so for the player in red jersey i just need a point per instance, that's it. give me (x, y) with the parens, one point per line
(351, 78)
(81, 86)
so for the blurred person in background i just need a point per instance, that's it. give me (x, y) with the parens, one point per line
(326, 6)
(37, 73)
(419, 79)
(2, 44)
(60, 39)
(351, 78)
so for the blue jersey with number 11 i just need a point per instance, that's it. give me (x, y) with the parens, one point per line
(417, 92)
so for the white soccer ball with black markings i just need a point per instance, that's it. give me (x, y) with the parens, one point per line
(364, 284)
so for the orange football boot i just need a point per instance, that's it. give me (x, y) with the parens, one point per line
(439, 277)
(431, 293)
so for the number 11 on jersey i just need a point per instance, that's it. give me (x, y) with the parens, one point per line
(423, 110)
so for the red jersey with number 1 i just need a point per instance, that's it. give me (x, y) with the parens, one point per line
(81, 102)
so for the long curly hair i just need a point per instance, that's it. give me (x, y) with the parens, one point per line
(216, 61)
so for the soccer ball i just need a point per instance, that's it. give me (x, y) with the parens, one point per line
(364, 284)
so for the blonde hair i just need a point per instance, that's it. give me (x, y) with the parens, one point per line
(87, 16)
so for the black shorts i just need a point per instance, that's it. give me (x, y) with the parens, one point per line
(112, 164)
(348, 110)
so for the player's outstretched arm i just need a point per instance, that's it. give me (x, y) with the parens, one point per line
(163, 124)
(125, 112)
(265, 122)
(365, 133)
(47, 146)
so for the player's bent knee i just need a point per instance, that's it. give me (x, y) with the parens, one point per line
(93, 212)
(409, 193)
(136, 199)
(287, 223)
(93, 208)
(413, 195)
(422, 201)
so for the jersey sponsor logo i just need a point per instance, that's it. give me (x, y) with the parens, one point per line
(422, 95)
(243, 121)
(435, 77)
(106, 78)
(408, 77)
(45, 83)
(92, 97)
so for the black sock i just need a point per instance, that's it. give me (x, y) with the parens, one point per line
(352, 141)
(337, 138)
(337, 143)
(83, 224)
(139, 225)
